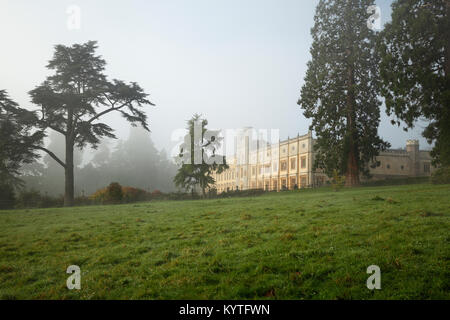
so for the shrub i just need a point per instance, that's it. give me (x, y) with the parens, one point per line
(395, 181)
(181, 196)
(83, 201)
(7, 197)
(114, 193)
(47, 201)
(212, 192)
(156, 193)
(34, 199)
(441, 176)
(131, 194)
(28, 199)
(338, 181)
(98, 196)
(241, 193)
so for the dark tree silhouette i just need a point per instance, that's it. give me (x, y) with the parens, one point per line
(16, 139)
(73, 100)
(415, 69)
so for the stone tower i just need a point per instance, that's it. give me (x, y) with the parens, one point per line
(412, 147)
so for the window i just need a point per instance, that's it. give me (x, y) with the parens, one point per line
(303, 146)
(283, 165)
(426, 167)
(293, 183)
(293, 148)
(303, 162)
(388, 166)
(275, 167)
(293, 160)
(402, 167)
(253, 171)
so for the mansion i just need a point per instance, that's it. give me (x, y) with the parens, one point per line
(289, 164)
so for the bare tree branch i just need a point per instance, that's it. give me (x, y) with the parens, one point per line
(51, 154)
(107, 111)
(57, 130)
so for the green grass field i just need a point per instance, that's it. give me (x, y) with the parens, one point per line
(307, 244)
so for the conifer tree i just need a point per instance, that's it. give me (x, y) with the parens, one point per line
(198, 158)
(341, 88)
(16, 140)
(74, 100)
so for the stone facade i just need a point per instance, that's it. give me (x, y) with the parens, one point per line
(410, 162)
(289, 165)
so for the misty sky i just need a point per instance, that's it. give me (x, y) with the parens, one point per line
(237, 62)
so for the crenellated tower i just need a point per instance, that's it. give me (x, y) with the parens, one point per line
(412, 147)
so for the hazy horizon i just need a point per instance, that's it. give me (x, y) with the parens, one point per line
(237, 63)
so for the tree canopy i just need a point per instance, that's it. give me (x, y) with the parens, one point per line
(415, 69)
(16, 140)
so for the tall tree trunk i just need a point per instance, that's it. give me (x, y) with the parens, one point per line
(352, 174)
(69, 176)
(352, 166)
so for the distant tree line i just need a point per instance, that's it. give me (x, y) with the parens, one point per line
(133, 162)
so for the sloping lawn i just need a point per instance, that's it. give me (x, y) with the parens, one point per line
(307, 244)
